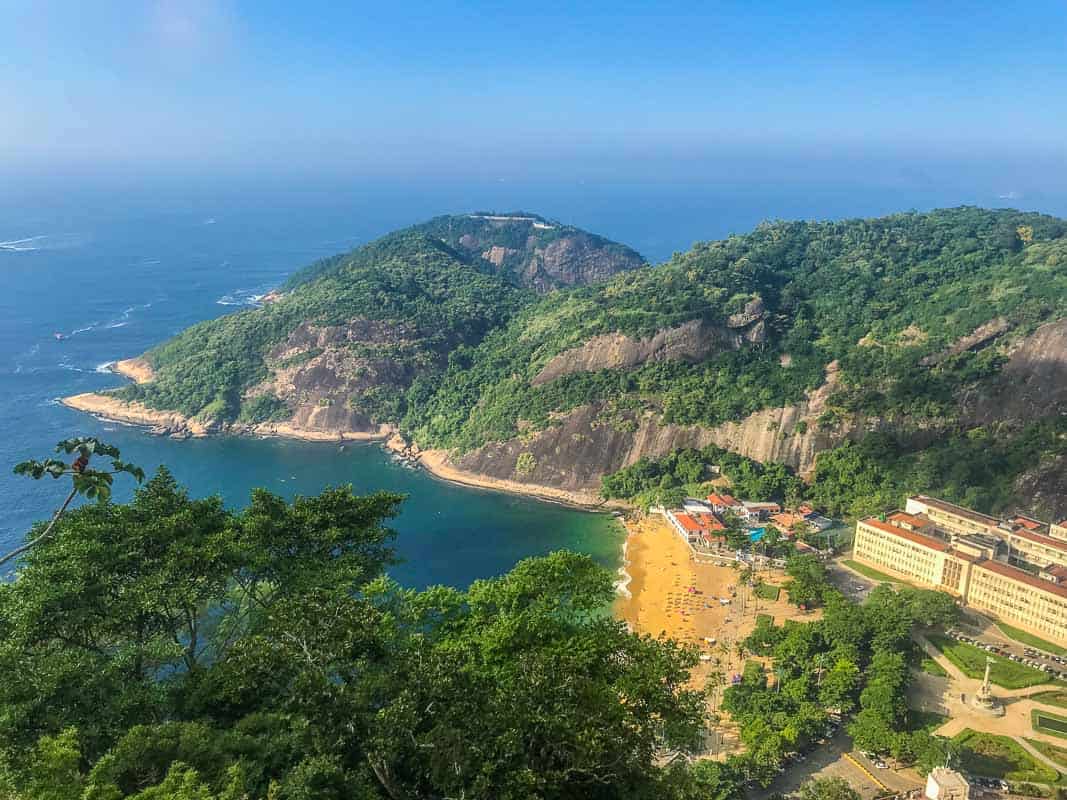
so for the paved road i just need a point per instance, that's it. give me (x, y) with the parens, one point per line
(838, 759)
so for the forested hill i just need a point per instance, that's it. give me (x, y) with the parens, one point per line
(779, 344)
(525, 249)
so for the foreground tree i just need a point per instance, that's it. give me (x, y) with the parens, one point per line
(827, 789)
(171, 648)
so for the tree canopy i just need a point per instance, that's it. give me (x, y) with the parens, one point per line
(170, 647)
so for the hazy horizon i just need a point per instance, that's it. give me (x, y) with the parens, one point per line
(864, 94)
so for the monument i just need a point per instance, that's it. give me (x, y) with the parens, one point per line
(984, 700)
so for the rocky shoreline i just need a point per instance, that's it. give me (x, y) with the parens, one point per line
(435, 462)
(438, 464)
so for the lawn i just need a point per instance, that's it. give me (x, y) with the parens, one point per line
(1022, 637)
(995, 756)
(1047, 722)
(870, 572)
(1053, 697)
(768, 591)
(971, 661)
(931, 667)
(1057, 754)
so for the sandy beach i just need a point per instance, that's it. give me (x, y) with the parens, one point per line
(436, 463)
(670, 595)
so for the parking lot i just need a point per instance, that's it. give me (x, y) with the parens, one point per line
(992, 641)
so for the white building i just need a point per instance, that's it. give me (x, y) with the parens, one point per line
(947, 784)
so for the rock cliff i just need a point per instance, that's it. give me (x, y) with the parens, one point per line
(692, 341)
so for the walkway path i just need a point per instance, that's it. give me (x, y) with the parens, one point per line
(951, 696)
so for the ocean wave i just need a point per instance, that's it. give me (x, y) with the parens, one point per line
(244, 297)
(622, 585)
(105, 368)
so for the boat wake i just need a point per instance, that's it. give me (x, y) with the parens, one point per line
(57, 241)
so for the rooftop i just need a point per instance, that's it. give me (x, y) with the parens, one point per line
(1038, 538)
(914, 520)
(959, 511)
(916, 538)
(1022, 576)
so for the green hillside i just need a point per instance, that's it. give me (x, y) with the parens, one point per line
(406, 278)
(917, 312)
(880, 296)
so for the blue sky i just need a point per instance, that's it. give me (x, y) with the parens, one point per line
(402, 87)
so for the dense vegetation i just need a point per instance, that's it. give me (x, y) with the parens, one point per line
(977, 468)
(853, 662)
(407, 278)
(169, 648)
(669, 480)
(884, 297)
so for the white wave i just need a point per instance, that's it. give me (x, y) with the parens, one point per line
(243, 297)
(209, 221)
(119, 324)
(622, 585)
(104, 368)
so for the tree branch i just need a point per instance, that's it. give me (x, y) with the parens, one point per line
(47, 531)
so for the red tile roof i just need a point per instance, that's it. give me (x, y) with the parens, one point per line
(1022, 576)
(1026, 522)
(711, 522)
(1038, 538)
(687, 522)
(917, 538)
(724, 500)
(909, 519)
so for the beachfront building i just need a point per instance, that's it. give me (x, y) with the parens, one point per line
(721, 503)
(1011, 570)
(758, 511)
(700, 528)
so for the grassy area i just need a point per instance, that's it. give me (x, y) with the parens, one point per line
(931, 667)
(870, 572)
(995, 756)
(1051, 751)
(1022, 637)
(971, 662)
(1053, 697)
(1047, 722)
(768, 591)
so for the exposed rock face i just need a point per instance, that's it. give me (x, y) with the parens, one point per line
(690, 342)
(318, 369)
(532, 252)
(577, 259)
(981, 336)
(583, 447)
(1033, 383)
(1045, 488)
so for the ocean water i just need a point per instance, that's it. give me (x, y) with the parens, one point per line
(117, 268)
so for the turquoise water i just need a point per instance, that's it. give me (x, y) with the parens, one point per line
(118, 267)
(116, 280)
(447, 533)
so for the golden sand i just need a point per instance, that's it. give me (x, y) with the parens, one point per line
(672, 596)
(437, 463)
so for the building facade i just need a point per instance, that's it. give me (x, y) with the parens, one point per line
(1013, 571)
